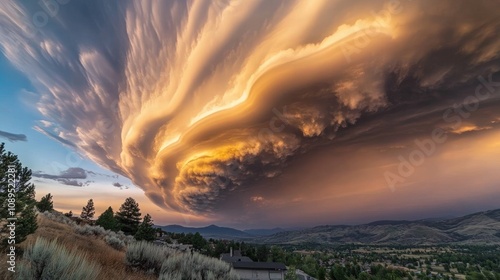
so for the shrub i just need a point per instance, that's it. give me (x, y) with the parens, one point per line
(60, 218)
(147, 256)
(83, 230)
(169, 264)
(50, 260)
(114, 242)
(128, 239)
(97, 230)
(90, 230)
(195, 266)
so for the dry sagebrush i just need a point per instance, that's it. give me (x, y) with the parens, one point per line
(50, 260)
(170, 264)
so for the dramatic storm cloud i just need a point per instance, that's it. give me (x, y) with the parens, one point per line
(210, 105)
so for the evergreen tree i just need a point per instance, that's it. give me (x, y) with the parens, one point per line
(146, 230)
(45, 203)
(291, 274)
(262, 252)
(321, 273)
(107, 220)
(129, 216)
(198, 241)
(220, 248)
(17, 197)
(88, 211)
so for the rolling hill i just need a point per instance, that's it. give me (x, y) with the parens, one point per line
(264, 231)
(211, 231)
(477, 228)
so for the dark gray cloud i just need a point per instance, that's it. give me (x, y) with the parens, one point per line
(70, 173)
(79, 177)
(13, 137)
(73, 176)
(75, 183)
(120, 186)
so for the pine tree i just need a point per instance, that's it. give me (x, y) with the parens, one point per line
(146, 230)
(107, 220)
(129, 216)
(45, 203)
(321, 273)
(198, 241)
(291, 274)
(20, 190)
(88, 211)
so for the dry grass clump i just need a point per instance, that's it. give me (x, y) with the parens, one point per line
(114, 242)
(51, 260)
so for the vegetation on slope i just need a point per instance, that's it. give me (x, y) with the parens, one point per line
(51, 260)
(169, 264)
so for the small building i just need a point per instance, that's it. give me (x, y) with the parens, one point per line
(260, 270)
(247, 269)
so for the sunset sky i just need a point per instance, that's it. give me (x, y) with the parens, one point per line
(256, 113)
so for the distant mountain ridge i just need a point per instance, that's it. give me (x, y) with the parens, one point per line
(211, 231)
(264, 232)
(477, 228)
(216, 232)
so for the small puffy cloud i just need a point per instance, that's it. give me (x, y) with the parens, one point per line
(469, 128)
(120, 186)
(256, 198)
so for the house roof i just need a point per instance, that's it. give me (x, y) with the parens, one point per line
(230, 259)
(259, 265)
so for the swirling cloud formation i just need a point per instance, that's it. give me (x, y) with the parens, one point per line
(198, 102)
